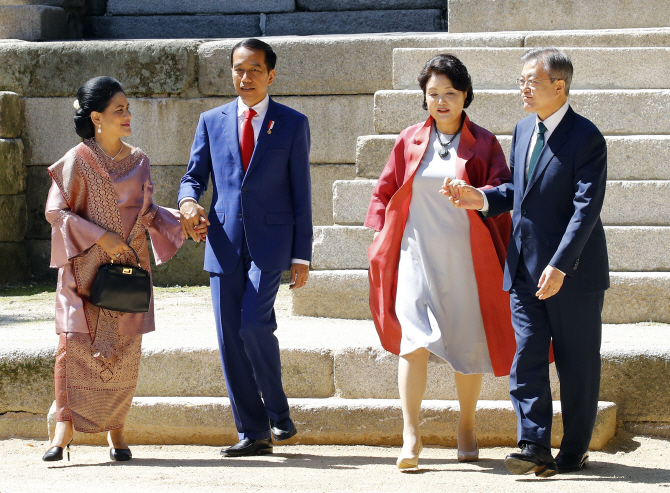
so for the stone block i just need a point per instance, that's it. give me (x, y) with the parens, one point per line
(636, 203)
(600, 38)
(341, 247)
(355, 58)
(208, 421)
(335, 5)
(184, 269)
(334, 294)
(14, 265)
(362, 21)
(10, 115)
(14, 218)
(215, 7)
(323, 177)
(33, 22)
(23, 425)
(637, 297)
(536, 15)
(38, 183)
(350, 200)
(26, 379)
(12, 169)
(164, 127)
(372, 154)
(614, 112)
(498, 68)
(58, 69)
(39, 253)
(172, 26)
(638, 248)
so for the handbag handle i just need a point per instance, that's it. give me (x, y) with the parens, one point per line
(136, 257)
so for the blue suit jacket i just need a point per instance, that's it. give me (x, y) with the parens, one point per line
(271, 204)
(556, 217)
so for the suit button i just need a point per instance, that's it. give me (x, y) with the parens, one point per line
(576, 264)
(244, 190)
(239, 216)
(523, 212)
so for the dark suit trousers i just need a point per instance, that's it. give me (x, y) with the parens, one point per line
(573, 323)
(245, 322)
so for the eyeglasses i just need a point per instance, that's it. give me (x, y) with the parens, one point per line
(531, 82)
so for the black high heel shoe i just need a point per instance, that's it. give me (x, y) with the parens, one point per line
(120, 454)
(56, 453)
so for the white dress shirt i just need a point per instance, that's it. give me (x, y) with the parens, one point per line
(261, 110)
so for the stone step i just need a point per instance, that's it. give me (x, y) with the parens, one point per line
(196, 7)
(614, 112)
(630, 248)
(498, 68)
(629, 157)
(33, 22)
(627, 202)
(208, 421)
(490, 15)
(633, 296)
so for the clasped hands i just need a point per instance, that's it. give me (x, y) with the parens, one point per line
(465, 196)
(193, 219)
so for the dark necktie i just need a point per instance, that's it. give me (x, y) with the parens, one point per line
(248, 141)
(539, 144)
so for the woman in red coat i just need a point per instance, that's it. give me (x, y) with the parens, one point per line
(436, 271)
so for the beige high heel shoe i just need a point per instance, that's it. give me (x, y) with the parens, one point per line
(409, 461)
(472, 456)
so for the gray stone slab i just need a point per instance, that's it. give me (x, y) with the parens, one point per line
(184, 269)
(10, 115)
(14, 218)
(60, 68)
(340, 247)
(66, 4)
(629, 157)
(539, 15)
(363, 21)
(498, 68)
(33, 22)
(354, 58)
(323, 177)
(26, 379)
(14, 265)
(659, 36)
(39, 253)
(23, 425)
(208, 421)
(636, 203)
(633, 296)
(165, 7)
(38, 183)
(172, 26)
(335, 5)
(12, 169)
(164, 127)
(350, 201)
(614, 112)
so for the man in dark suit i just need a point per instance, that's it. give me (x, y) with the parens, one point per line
(557, 269)
(256, 153)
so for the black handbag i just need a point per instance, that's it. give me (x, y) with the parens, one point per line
(122, 288)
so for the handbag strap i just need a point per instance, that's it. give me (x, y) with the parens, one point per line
(136, 257)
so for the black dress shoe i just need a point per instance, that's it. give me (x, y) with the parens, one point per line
(56, 453)
(120, 454)
(282, 430)
(247, 447)
(532, 457)
(571, 462)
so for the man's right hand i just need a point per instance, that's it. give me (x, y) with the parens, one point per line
(461, 195)
(193, 220)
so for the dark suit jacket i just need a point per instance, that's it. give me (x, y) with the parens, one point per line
(271, 204)
(556, 217)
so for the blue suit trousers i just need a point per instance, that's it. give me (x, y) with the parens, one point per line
(245, 322)
(572, 321)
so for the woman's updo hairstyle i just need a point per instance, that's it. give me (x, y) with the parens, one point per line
(94, 95)
(454, 69)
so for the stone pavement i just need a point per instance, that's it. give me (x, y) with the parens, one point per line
(629, 464)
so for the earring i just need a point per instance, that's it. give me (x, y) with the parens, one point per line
(99, 128)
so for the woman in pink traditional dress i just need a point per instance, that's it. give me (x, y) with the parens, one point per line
(100, 206)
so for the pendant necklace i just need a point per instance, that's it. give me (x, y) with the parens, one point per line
(122, 146)
(443, 152)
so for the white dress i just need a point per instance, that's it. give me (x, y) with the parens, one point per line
(437, 302)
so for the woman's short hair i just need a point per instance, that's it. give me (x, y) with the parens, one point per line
(94, 95)
(454, 69)
(257, 44)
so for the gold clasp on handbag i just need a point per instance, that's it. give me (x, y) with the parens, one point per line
(127, 271)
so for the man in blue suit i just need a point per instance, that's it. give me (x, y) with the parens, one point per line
(256, 153)
(557, 269)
